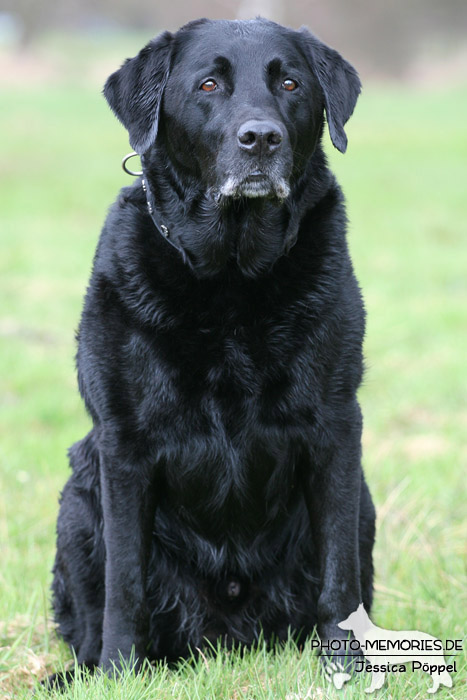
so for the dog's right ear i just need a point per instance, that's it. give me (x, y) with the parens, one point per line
(134, 92)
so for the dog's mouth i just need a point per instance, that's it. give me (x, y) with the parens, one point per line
(255, 184)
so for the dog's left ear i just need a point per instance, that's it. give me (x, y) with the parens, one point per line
(134, 92)
(339, 82)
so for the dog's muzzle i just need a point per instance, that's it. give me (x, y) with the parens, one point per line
(260, 166)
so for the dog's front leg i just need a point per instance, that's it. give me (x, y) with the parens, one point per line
(128, 506)
(332, 494)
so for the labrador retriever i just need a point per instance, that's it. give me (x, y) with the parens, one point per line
(220, 492)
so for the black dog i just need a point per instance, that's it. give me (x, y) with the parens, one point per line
(220, 492)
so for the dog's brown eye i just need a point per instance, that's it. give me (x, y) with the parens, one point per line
(209, 85)
(289, 84)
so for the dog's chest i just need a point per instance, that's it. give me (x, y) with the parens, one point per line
(218, 485)
(219, 383)
(216, 412)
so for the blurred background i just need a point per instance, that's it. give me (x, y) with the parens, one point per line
(397, 39)
(405, 179)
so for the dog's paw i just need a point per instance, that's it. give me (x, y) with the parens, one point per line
(335, 674)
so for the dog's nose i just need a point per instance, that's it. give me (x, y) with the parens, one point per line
(259, 137)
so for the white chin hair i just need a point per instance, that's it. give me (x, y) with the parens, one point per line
(234, 188)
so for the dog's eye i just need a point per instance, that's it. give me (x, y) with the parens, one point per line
(289, 84)
(209, 85)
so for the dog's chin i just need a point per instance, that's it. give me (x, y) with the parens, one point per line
(255, 186)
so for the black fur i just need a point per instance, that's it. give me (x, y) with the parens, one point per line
(220, 492)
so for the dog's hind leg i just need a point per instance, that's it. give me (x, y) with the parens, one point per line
(60, 681)
(366, 541)
(78, 583)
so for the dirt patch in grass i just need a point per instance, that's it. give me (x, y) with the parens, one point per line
(25, 654)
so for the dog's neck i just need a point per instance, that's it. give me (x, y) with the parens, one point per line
(208, 229)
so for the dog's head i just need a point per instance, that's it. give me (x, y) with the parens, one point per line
(237, 106)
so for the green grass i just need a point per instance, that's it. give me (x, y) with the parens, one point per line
(404, 176)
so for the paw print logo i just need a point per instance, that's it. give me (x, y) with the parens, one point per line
(335, 674)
